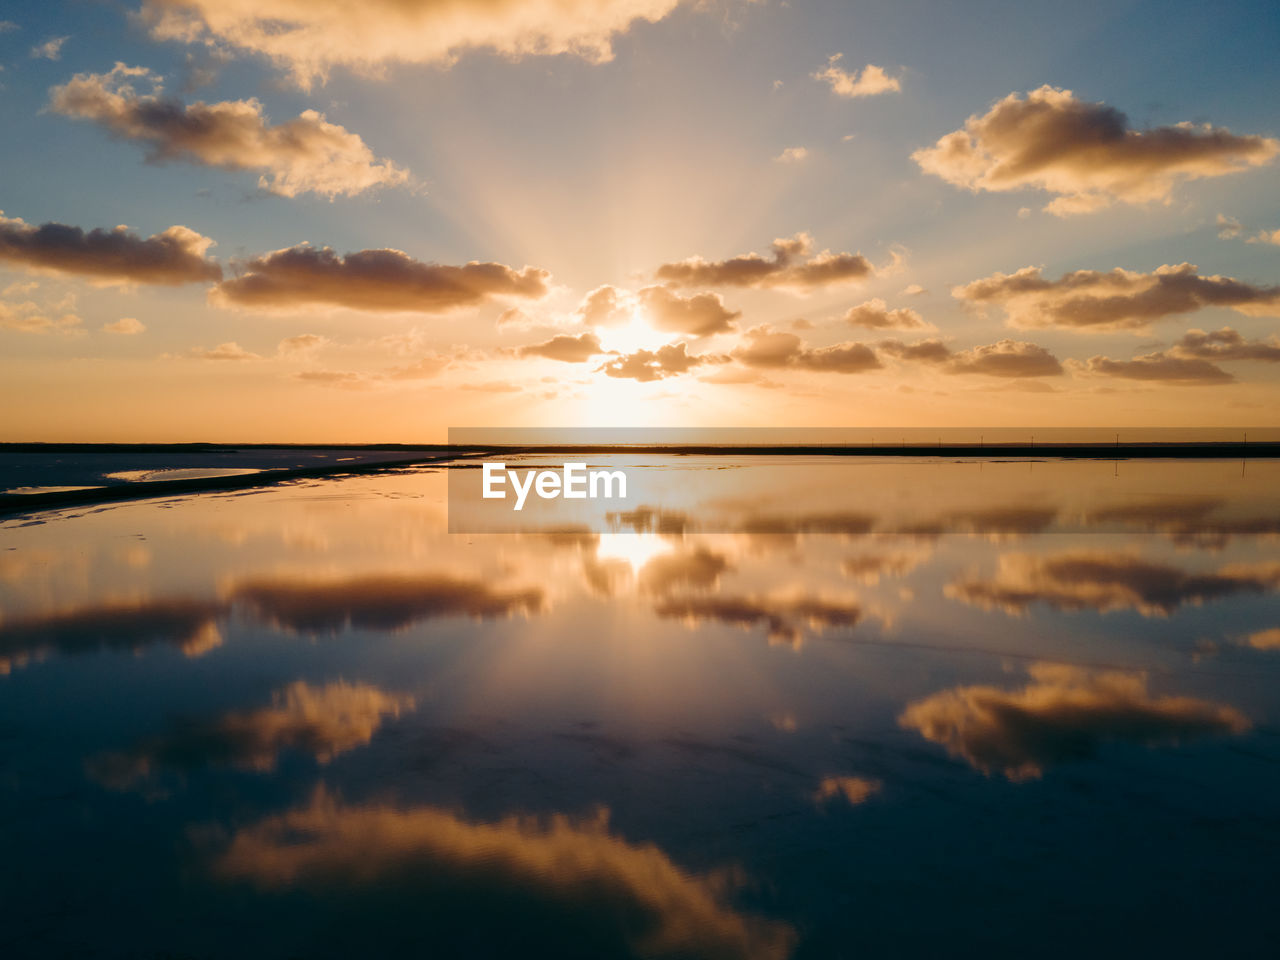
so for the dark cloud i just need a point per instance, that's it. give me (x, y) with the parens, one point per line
(767, 348)
(391, 602)
(305, 155)
(1116, 300)
(173, 257)
(787, 268)
(1006, 358)
(1226, 344)
(374, 280)
(1064, 714)
(565, 348)
(1102, 581)
(1161, 367)
(782, 617)
(321, 721)
(190, 625)
(927, 351)
(1086, 153)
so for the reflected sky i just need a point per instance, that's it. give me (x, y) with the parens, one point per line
(877, 692)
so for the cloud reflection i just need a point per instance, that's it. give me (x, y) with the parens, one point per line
(584, 888)
(1064, 714)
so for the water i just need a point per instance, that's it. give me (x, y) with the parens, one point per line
(825, 708)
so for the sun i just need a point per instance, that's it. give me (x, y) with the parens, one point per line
(635, 334)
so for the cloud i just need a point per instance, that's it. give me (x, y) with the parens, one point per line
(1228, 227)
(575, 875)
(190, 625)
(565, 348)
(1159, 367)
(698, 568)
(792, 155)
(372, 280)
(7, 25)
(700, 315)
(1064, 714)
(302, 344)
(125, 326)
(868, 568)
(223, 351)
(852, 790)
(29, 317)
(926, 351)
(1262, 236)
(1006, 358)
(648, 365)
(309, 39)
(322, 721)
(875, 315)
(771, 349)
(391, 602)
(423, 368)
(781, 616)
(871, 81)
(1226, 344)
(1116, 300)
(51, 49)
(785, 269)
(305, 155)
(1105, 582)
(1264, 639)
(173, 257)
(602, 307)
(1085, 153)
(334, 378)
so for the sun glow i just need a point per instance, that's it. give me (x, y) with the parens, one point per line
(635, 334)
(636, 549)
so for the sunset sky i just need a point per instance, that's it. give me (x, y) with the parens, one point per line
(317, 220)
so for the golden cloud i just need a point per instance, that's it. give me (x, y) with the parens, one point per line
(786, 269)
(1116, 300)
(565, 348)
(173, 257)
(321, 721)
(309, 39)
(1102, 581)
(629, 898)
(781, 616)
(1226, 344)
(876, 315)
(390, 602)
(372, 280)
(701, 315)
(1064, 714)
(1159, 367)
(772, 349)
(648, 365)
(305, 155)
(871, 81)
(1086, 153)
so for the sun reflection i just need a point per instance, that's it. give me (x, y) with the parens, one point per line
(636, 549)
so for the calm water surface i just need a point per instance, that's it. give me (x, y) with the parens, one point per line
(884, 709)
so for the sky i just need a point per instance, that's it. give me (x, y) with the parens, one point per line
(278, 221)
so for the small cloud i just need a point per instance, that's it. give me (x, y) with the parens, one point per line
(1262, 236)
(1228, 227)
(852, 790)
(223, 351)
(1024, 213)
(792, 266)
(913, 290)
(424, 369)
(875, 315)
(871, 81)
(302, 344)
(51, 49)
(792, 155)
(125, 326)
